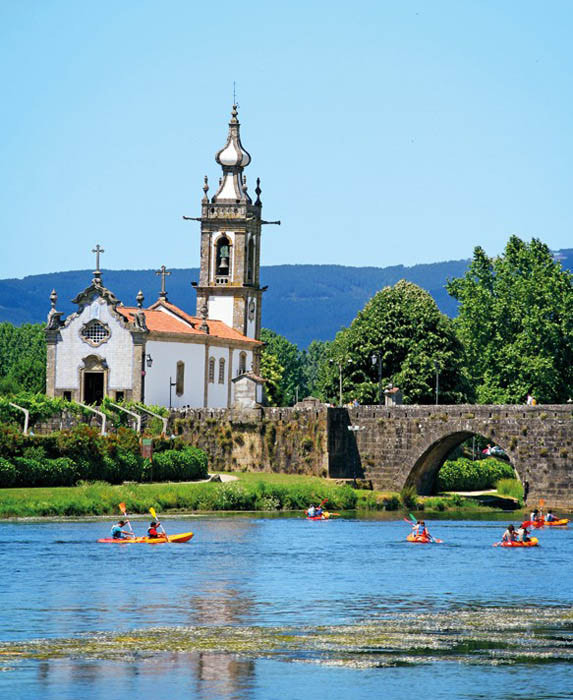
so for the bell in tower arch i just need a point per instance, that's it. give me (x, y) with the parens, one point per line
(223, 252)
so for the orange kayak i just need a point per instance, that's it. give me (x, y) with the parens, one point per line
(551, 523)
(419, 539)
(181, 537)
(533, 542)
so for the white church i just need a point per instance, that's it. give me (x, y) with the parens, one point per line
(162, 354)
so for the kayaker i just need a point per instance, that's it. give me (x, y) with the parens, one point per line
(421, 530)
(311, 511)
(509, 534)
(550, 518)
(118, 533)
(152, 530)
(318, 511)
(535, 516)
(522, 533)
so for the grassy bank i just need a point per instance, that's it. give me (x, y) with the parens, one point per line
(251, 492)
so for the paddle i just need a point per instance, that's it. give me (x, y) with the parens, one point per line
(154, 516)
(123, 509)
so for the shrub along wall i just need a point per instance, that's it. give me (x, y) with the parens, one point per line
(466, 475)
(81, 454)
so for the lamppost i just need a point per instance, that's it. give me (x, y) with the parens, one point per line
(377, 360)
(171, 385)
(340, 364)
(437, 368)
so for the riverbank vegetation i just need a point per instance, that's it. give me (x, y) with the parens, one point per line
(262, 492)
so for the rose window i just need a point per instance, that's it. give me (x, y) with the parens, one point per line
(95, 333)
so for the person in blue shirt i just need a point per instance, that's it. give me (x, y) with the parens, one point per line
(118, 533)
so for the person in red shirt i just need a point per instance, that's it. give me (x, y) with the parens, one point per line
(152, 530)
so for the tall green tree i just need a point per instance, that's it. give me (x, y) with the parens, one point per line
(403, 324)
(22, 358)
(516, 323)
(289, 359)
(313, 368)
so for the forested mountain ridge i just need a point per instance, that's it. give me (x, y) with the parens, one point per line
(303, 302)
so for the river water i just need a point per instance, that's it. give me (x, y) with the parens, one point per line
(284, 608)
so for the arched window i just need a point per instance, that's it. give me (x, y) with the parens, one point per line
(242, 363)
(223, 256)
(180, 379)
(222, 371)
(251, 261)
(211, 370)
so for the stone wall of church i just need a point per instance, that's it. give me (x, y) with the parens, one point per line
(285, 440)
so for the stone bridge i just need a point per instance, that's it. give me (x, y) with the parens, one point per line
(403, 445)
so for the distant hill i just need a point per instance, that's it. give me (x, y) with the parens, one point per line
(303, 302)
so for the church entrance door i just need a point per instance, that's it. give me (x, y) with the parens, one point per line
(93, 387)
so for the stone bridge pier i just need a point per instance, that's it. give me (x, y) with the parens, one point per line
(402, 445)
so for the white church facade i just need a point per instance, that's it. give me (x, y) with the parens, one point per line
(162, 354)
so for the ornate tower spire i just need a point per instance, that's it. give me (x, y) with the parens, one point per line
(233, 157)
(229, 288)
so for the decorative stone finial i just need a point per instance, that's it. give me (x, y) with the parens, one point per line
(245, 188)
(140, 298)
(234, 114)
(53, 299)
(163, 272)
(206, 189)
(258, 192)
(204, 314)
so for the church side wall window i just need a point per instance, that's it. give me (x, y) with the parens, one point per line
(211, 370)
(221, 371)
(242, 363)
(180, 379)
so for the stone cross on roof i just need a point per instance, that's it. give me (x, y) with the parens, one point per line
(164, 273)
(97, 272)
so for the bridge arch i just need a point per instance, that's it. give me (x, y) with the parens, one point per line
(399, 445)
(424, 471)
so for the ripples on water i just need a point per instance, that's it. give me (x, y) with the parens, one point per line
(348, 600)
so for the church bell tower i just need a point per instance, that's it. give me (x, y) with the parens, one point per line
(229, 286)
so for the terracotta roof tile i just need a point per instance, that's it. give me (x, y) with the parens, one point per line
(182, 323)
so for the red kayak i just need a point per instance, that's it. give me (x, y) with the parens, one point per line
(181, 537)
(533, 542)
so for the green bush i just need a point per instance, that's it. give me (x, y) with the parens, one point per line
(466, 475)
(189, 464)
(8, 473)
(510, 487)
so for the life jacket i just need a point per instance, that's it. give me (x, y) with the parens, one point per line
(152, 532)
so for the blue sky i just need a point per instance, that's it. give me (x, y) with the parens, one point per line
(384, 132)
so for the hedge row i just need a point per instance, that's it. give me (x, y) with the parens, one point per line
(189, 464)
(82, 454)
(466, 475)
